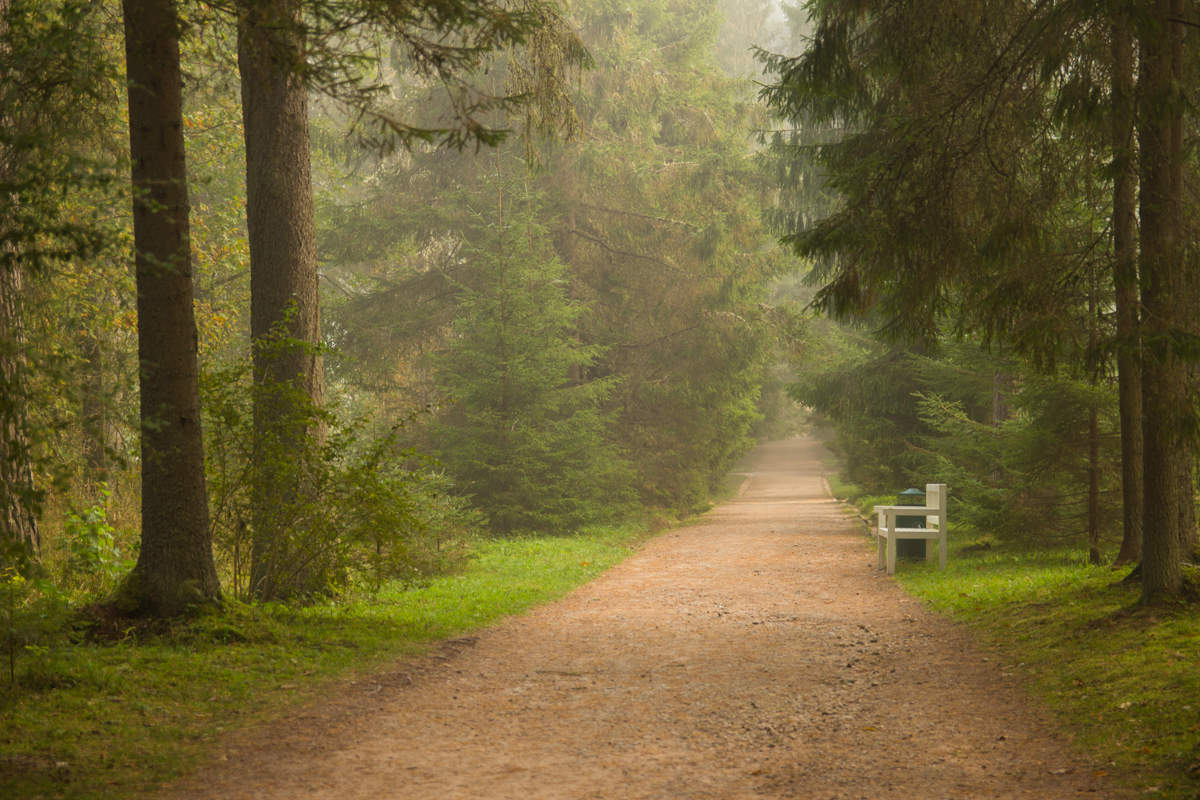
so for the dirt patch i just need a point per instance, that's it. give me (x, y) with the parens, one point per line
(756, 653)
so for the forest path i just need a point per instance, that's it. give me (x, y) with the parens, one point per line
(755, 653)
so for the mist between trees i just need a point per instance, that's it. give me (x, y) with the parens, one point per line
(406, 275)
(410, 274)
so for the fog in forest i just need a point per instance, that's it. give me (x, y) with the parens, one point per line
(334, 332)
(481, 269)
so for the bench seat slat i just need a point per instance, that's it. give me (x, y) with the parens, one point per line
(914, 533)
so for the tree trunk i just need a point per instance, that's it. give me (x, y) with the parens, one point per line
(1093, 506)
(19, 535)
(283, 262)
(1125, 282)
(95, 425)
(175, 565)
(18, 519)
(1168, 455)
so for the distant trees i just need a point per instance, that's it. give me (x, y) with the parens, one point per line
(652, 211)
(1125, 281)
(52, 73)
(660, 224)
(972, 200)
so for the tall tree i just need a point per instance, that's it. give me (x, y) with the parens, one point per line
(175, 567)
(283, 255)
(1125, 283)
(18, 523)
(284, 48)
(1166, 299)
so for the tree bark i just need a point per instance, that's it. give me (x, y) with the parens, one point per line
(283, 263)
(1125, 282)
(19, 541)
(175, 567)
(1168, 454)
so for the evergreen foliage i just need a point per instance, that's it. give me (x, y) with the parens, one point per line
(634, 251)
(978, 155)
(525, 440)
(1013, 442)
(653, 212)
(53, 63)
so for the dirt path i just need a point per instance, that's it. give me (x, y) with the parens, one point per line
(753, 654)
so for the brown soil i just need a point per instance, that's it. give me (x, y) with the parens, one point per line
(755, 653)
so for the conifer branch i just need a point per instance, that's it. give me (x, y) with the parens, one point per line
(616, 252)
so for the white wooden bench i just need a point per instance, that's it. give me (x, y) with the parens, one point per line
(888, 532)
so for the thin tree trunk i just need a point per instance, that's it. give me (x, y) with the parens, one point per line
(283, 262)
(1093, 507)
(95, 428)
(1001, 385)
(1164, 377)
(175, 565)
(1125, 282)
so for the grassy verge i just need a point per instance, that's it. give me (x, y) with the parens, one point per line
(855, 495)
(117, 720)
(1125, 678)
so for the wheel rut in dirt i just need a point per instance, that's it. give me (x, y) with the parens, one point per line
(754, 653)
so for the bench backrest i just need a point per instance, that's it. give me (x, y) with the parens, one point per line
(935, 497)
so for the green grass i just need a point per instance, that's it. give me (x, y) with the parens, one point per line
(857, 496)
(1125, 678)
(118, 720)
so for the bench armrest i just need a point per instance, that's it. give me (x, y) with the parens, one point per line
(916, 511)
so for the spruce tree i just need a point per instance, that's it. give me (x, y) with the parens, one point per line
(175, 566)
(527, 441)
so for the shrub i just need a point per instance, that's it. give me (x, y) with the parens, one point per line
(365, 509)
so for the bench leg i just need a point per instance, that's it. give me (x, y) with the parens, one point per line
(880, 544)
(929, 554)
(942, 550)
(891, 554)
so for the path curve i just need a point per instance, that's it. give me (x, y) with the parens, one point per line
(755, 653)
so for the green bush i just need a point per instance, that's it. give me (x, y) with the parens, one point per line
(34, 622)
(366, 509)
(92, 559)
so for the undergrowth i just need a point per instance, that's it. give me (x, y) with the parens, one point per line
(115, 712)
